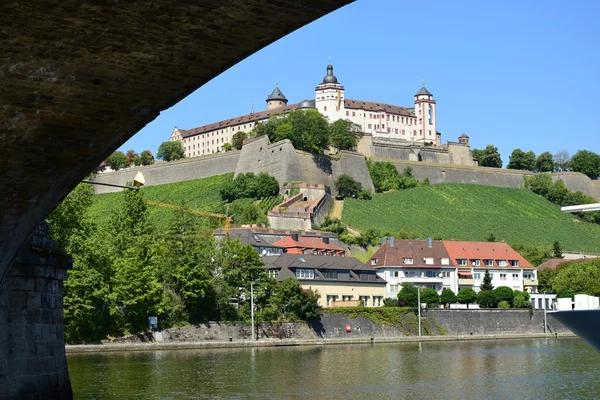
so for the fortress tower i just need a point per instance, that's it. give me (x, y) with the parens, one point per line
(276, 99)
(329, 97)
(425, 109)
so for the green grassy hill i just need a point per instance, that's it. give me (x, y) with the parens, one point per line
(198, 194)
(472, 212)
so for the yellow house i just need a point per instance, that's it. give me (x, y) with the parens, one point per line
(337, 280)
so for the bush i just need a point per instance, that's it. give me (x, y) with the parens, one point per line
(504, 293)
(346, 186)
(448, 297)
(390, 302)
(487, 299)
(250, 186)
(504, 304)
(466, 296)
(408, 296)
(333, 225)
(365, 195)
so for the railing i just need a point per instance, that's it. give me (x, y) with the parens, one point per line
(530, 282)
(466, 281)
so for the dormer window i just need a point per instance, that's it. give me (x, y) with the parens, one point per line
(461, 261)
(374, 261)
(407, 260)
(514, 263)
(502, 263)
(476, 263)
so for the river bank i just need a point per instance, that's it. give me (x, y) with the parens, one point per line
(151, 346)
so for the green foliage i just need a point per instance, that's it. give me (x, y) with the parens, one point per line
(471, 212)
(250, 186)
(521, 299)
(545, 162)
(504, 293)
(488, 157)
(146, 158)
(386, 177)
(577, 277)
(448, 297)
(308, 130)
(408, 296)
(70, 218)
(116, 161)
(587, 162)
(365, 195)
(491, 238)
(402, 318)
(390, 302)
(536, 255)
(246, 212)
(466, 295)
(227, 147)
(486, 284)
(545, 278)
(556, 250)
(430, 297)
(487, 299)
(344, 134)
(346, 186)
(133, 158)
(333, 225)
(296, 303)
(521, 160)
(237, 140)
(171, 151)
(503, 304)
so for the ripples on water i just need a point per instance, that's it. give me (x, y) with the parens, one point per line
(510, 369)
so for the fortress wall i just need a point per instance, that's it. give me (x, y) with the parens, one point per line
(580, 182)
(397, 153)
(183, 170)
(313, 168)
(435, 156)
(353, 164)
(460, 154)
(365, 145)
(278, 159)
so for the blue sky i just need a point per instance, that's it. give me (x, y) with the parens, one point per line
(510, 73)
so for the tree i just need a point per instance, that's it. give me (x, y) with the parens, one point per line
(448, 297)
(146, 157)
(344, 134)
(133, 158)
(557, 251)
(562, 161)
(386, 177)
(227, 147)
(578, 277)
(308, 130)
(521, 160)
(250, 186)
(408, 296)
(487, 299)
(503, 304)
(295, 303)
(491, 238)
(430, 297)
(545, 278)
(487, 281)
(488, 157)
(504, 293)
(116, 161)
(545, 162)
(346, 186)
(586, 162)
(237, 140)
(521, 299)
(171, 151)
(466, 296)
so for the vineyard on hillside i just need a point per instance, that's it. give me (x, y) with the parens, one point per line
(198, 194)
(473, 212)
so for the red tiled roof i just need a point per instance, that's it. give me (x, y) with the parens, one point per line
(306, 243)
(484, 251)
(555, 262)
(391, 256)
(372, 106)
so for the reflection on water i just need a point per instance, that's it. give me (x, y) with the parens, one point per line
(512, 369)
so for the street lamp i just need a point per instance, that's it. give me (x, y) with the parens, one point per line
(419, 307)
(252, 308)
(545, 322)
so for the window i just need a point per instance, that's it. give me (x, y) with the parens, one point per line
(445, 274)
(273, 273)
(428, 260)
(347, 297)
(331, 298)
(515, 277)
(369, 126)
(476, 263)
(527, 275)
(502, 263)
(477, 275)
(461, 261)
(407, 260)
(377, 301)
(514, 263)
(330, 274)
(503, 276)
(394, 288)
(302, 273)
(374, 261)
(347, 113)
(396, 130)
(324, 108)
(444, 261)
(353, 114)
(488, 263)
(410, 274)
(365, 300)
(431, 274)
(395, 274)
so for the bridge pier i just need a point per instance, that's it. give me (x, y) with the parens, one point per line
(33, 363)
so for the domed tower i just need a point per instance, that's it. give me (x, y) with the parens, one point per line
(276, 99)
(425, 109)
(306, 104)
(329, 97)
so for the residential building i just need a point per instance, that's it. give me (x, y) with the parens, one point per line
(333, 278)
(247, 236)
(424, 263)
(296, 244)
(505, 265)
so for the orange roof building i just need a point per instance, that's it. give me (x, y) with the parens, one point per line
(296, 244)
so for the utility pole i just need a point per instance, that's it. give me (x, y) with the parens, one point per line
(419, 307)
(252, 308)
(545, 322)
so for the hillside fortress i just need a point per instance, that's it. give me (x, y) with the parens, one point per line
(404, 133)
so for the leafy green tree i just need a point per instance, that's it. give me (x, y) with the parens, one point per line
(557, 251)
(346, 186)
(487, 299)
(171, 151)
(344, 134)
(133, 158)
(146, 157)
(466, 296)
(521, 299)
(295, 303)
(586, 162)
(430, 297)
(448, 297)
(70, 218)
(368, 237)
(365, 195)
(545, 278)
(250, 186)
(578, 277)
(408, 296)
(536, 255)
(545, 162)
(227, 147)
(503, 304)
(237, 140)
(258, 130)
(390, 302)
(491, 238)
(522, 160)
(487, 281)
(488, 157)
(116, 161)
(562, 161)
(504, 293)
(308, 130)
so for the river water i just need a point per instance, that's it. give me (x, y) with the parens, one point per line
(507, 369)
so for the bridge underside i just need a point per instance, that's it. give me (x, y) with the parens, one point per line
(78, 78)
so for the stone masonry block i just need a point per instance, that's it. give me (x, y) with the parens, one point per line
(34, 300)
(16, 315)
(7, 387)
(27, 382)
(22, 284)
(17, 299)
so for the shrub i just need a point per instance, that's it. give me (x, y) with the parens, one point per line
(487, 299)
(365, 195)
(504, 304)
(346, 186)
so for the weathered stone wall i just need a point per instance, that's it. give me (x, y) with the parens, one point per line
(353, 164)
(175, 171)
(580, 182)
(32, 347)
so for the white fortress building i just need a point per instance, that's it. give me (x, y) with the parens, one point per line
(406, 130)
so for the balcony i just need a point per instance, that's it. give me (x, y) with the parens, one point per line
(530, 282)
(423, 279)
(466, 281)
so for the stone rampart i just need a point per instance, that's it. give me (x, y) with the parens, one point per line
(33, 363)
(353, 164)
(175, 171)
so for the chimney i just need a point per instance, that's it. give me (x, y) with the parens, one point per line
(295, 237)
(429, 242)
(392, 241)
(325, 240)
(383, 240)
